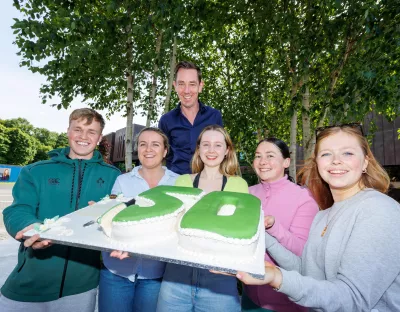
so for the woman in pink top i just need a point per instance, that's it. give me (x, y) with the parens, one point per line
(289, 211)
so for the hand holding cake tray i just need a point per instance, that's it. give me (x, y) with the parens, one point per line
(220, 231)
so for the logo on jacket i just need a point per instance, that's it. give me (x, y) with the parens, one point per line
(100, 181)
(54, 181)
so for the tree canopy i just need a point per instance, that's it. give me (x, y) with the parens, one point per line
(21, 143)
(276, 67)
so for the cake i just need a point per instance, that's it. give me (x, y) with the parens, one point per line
(219, 224)
(152, 218)
(222, 224)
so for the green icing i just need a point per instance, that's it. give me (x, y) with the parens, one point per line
(163, 204)
(243, 224)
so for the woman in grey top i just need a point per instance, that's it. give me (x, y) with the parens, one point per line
(351, 259)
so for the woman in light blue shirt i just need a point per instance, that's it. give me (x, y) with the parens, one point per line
(133, 284)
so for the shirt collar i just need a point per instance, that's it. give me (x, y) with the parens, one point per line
(135, 172)
(202, 108)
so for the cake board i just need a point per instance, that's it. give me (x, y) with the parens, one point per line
(72, 232)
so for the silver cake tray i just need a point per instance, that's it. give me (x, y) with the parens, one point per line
(75, 234)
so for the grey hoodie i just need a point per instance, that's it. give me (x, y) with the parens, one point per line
(355, 266)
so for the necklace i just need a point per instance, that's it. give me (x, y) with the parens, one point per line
(329, 221)
(340, 208)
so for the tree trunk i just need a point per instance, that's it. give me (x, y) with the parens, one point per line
(293, 146)
(129, 121)
(293, 129)
(308, 143)
(129, 100)
(172, 65)
(153, 90)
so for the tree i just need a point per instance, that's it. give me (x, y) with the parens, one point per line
(45, 136)
(4, 144)
(20, 123)
(40, 141)
(103, 51)
(22, 149)
(274, 68)
(62, 141)
(41, 151)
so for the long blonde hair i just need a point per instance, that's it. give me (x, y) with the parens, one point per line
(375, 176)
(229, 166)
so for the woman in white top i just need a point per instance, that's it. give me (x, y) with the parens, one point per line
(133, 284)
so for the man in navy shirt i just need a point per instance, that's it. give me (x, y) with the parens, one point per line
(183, 124)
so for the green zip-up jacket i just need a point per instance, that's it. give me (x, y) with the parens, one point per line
(44, 190)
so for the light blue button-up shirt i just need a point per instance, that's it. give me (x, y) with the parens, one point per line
(131, 184)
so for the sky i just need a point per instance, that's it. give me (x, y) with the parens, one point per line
(19, 88)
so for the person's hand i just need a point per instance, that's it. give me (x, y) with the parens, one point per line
(269, 221)
(121, 255)
(91, 202)
(272, 277)
(33, 241)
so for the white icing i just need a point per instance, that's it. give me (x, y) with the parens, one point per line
(213, 244)
(214, 236)
(226, 210)
(144, 202)
(53, 224)
(217, 248)
(148, 232)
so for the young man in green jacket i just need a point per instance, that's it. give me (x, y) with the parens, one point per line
(54, 277)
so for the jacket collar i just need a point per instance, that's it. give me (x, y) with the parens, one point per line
(60, 154)
(276, 184)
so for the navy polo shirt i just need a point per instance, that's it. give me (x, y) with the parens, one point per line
(182, 135)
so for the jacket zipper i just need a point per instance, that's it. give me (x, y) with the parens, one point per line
(76, 207)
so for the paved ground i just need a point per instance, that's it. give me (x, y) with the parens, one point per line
(5, 200)
(8, 245)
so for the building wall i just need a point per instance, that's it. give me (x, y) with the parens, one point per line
(118, 143)
(385, 143)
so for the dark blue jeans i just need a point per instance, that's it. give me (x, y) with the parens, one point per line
(117, 293)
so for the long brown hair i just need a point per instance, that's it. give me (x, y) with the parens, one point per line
(375, 176)
(230, 164)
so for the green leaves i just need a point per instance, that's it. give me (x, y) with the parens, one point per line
(21, 143)
(23, 147)
(255, 57)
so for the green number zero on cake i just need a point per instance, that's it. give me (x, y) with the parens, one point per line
(222, 224)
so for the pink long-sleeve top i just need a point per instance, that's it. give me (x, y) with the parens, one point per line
(294, 209)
